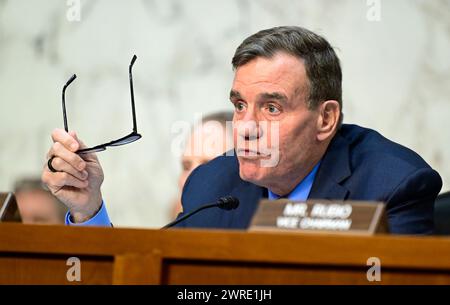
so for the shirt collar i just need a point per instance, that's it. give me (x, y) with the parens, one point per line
(301, 191)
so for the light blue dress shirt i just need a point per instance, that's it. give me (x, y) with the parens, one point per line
(100, 219)
(302, 190)
(300, 193)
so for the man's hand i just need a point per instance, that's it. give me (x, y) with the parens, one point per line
(79, 177)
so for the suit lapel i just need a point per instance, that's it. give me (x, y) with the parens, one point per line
(334, 168)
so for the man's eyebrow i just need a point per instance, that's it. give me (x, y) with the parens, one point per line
(265, 96)
(235, 95)
(273, 96)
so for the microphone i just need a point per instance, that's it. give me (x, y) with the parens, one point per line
(226, 203)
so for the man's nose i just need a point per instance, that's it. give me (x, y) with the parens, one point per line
(248, 128)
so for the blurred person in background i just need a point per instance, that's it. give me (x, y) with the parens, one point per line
(36, 204)
(208, 139)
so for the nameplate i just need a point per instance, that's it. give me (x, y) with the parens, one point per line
(359, 217)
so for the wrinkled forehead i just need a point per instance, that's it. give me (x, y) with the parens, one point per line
(282, 72)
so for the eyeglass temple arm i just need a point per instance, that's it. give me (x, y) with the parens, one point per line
(132, 93)
(71, 79)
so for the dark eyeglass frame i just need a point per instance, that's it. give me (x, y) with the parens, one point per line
(133, 136)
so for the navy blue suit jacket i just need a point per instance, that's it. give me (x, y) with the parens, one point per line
(359, 164)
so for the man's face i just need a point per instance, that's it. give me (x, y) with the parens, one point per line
(207, 141)
(38, 207)
(270, 96)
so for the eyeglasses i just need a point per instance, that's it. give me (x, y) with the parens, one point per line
(133, 136)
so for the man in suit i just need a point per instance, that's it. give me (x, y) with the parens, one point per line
(289, 142)
(359, 164)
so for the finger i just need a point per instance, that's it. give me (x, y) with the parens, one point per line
(87, 157)
(58, 150)
(59, 180)
(63, 137)
(62, 166)
(75, 136)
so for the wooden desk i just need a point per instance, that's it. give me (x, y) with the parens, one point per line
(31, 254)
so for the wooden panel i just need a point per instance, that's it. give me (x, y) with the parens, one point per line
(137, 269)
(216, 273)
(52, 269)
(38, 254)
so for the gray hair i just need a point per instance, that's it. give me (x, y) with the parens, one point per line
(321, 62)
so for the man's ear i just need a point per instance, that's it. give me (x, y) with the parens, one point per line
(328, 119)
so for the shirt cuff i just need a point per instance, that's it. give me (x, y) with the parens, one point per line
(99, 219)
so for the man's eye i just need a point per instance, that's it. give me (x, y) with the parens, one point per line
(239, 106)
(273, 109)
